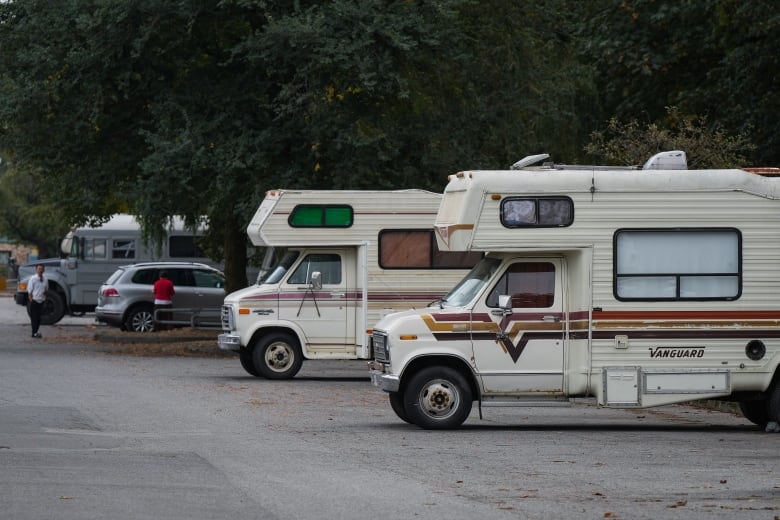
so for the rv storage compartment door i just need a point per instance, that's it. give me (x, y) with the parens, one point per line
(686, 382)
(621, 386)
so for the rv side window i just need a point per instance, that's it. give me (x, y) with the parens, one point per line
(531, 285)
(123, 248)
(184, 246)
(94, 248)
(678, 264)
(537, 212)
(321, 215)
(417, 249)
(329, 266)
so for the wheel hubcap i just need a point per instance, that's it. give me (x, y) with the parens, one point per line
(439, 399)
(278, 357)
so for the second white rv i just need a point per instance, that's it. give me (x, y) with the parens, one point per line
(351, 257)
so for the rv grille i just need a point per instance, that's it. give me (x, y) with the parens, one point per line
(228, 323)
(381, 352)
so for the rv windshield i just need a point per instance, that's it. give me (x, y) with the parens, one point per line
(278, 271)
(472, 283)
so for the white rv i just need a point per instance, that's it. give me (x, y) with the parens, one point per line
(91, 255)
(639, 287)
(351, 257)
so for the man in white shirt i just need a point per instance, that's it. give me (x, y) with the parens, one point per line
(36, 290)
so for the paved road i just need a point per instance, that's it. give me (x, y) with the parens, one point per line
(89, 434)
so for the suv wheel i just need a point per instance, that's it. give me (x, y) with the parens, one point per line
(140, 319)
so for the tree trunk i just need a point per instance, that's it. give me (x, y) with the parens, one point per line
(235, 255)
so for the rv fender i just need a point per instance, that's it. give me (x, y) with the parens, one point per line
(270, 327)
(416, 364)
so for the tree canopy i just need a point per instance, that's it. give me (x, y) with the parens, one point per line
(197, 107)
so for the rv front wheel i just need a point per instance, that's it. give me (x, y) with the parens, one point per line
(247, 361)
(438, 398)
(397, 404)
(277, 356)
(756, 412)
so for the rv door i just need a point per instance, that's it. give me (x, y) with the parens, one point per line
(318, 305)
(522, 350)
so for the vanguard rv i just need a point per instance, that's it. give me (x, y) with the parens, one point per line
(351, 257)
(637, 287)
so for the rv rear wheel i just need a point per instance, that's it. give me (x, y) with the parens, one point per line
(277, 356)
(438, 398)
(773, 406)
(756, 412)
(397, 404)
(247, 361)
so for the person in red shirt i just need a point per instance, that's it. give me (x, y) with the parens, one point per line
(163, 299)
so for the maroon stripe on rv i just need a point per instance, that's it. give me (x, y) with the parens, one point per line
(455, 316)
(689, 334)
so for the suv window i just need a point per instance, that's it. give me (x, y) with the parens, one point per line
(180, 277)
(205, 278)
(145, 276)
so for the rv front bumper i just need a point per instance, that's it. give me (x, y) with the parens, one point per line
(387, 382)
(229, 342)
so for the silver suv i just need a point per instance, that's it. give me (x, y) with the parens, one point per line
(126, 299)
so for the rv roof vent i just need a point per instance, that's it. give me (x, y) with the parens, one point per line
(672, 160)
(529, 160)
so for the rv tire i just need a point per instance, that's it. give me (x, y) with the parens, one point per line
(756, 412)
(773, 406)
(397, 404)
(438, 398)
(277, 356)
(247, 361)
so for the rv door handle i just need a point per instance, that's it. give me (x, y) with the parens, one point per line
(555, 319)
(338, 294)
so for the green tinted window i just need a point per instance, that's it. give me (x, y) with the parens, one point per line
(321, 216)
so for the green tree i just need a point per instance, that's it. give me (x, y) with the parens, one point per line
(28, 213)
(715, 58)
(198, 107)
(631, 143)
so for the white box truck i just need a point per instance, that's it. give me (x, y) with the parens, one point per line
(349, 258)
(636, 287)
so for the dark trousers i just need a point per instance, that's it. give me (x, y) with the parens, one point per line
(162, 315)
(36, 309)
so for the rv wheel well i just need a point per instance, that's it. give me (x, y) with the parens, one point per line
(441, 361)
(270, 330)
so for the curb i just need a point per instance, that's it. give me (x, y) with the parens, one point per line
(148, 338)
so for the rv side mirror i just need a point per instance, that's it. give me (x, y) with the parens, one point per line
(316, 281)
(505, 301)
